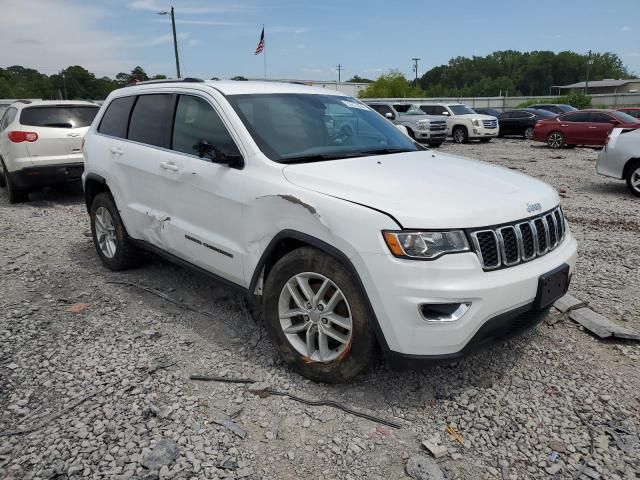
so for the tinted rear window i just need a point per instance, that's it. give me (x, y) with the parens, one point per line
(151, 120)
(59, 117)
(116, 119)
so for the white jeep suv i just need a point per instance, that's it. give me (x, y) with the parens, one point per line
(346, 242)
(463, 124)
(41, 144)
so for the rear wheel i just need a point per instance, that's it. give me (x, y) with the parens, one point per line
(109, 235)
(460, 134)
(633, 178)
(317, 317)
(2, 180)
(528, 133)
(555, 140)
(16, 195)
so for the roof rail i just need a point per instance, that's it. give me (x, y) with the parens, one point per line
(168, 80)
(26, 102)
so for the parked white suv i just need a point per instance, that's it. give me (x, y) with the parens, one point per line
(41, 144)
(463, 124)
(345, 242)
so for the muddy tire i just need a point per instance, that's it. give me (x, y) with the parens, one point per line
(110, 237)
(317, 317)
(15, 194)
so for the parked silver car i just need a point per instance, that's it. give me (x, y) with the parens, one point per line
(619, 158)
(420, 126)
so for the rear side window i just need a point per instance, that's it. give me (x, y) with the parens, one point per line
(8, 117)
(600, 117)
(576, 117)
(116, 119)
(151, 120)
(196, 121)
(58, 116)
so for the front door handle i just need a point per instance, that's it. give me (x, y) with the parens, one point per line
(169, 166)
(564, 125)
(116, 150)
(591, 126)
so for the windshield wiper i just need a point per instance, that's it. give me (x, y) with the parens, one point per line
(337, 156)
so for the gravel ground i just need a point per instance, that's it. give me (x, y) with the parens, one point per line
(94, 374)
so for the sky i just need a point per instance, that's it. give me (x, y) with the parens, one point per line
(304, 39)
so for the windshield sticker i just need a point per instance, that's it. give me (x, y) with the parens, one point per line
(355, 105)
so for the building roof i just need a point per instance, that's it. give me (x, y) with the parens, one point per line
(600, 83)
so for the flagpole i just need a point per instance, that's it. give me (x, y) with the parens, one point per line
(264, 54)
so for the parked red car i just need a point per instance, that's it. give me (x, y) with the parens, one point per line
(633, 111)
(583, 127)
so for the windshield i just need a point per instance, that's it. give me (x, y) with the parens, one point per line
(306, 127)
(567, 108)
(460, 110)
(542, 113)
(409, 109)
(625, 117)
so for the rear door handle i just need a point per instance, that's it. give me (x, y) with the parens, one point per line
(116, 150)
(564, 125)
(591, 126)
(169, 166)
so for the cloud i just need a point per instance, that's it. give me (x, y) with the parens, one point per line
(160, 40)
(285, 29)
(626, 28)
(215, 23)
(301, 46)
(61, 38)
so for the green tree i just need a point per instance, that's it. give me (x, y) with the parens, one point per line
(391, 85)
(358, 79)
(239, 77)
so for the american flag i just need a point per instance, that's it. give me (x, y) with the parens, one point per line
(260, 46)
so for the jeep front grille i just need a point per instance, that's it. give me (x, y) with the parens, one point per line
(514, 243)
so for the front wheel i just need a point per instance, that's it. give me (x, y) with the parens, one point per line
(460, 134)
(485, 140)
(317, 317)
(110, 236)
(555, 140)
(528, 133)
(633, 179)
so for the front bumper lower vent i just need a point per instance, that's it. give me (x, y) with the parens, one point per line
(514, 243)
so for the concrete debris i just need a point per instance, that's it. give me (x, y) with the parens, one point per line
(568, 303)
(164, 453)
(438, 451)
(602, 326)
(421, 467)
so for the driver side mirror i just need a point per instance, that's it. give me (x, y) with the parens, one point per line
(614, 122)
(204, 148)
(215, 155)
(389, 115)
(445, 113)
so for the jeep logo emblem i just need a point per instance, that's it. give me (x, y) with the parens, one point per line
(534, 207)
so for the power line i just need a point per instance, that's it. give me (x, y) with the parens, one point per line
(340, 68)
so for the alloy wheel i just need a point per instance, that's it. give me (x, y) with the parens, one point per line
(315, 317)
(635, 180)
(555, 140)
(458, 135)
(528, 133)
(105, 232)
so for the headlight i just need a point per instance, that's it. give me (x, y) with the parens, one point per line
(425, 245)
(477, 123)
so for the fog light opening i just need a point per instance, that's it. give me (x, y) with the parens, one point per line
(443, 312)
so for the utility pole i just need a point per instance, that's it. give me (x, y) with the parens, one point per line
(415, 68)
(64, 85)
(175, 38)
(586, 84)
(339, 68)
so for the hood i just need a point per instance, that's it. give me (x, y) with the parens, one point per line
(428, 190)
(477, 116)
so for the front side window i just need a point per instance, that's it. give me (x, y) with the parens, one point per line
(292, 128)
(625, 117)
(116, 118)
(72, 116)
(151, 120)
(597, 117)
(196, 122)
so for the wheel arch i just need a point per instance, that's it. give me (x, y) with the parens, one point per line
(627, 166)
(288, 240)
(93, 185)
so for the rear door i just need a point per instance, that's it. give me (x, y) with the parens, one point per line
(506, 121)
(575, 127)
(599, 127)
(60, 130)
(139, 136)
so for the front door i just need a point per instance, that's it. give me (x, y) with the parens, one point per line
(575, 127)
(206, 214)
(599, 127)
